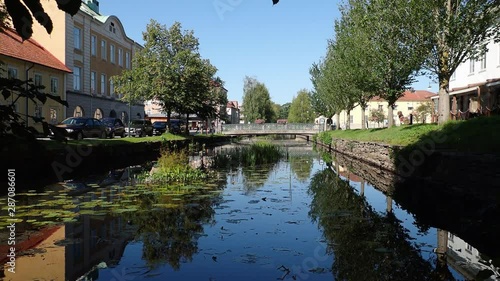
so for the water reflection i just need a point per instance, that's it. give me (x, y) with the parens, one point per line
(469, 213)
(367, 245)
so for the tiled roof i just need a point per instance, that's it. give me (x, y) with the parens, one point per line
(232, 104)
(417, 95)
(12, 45)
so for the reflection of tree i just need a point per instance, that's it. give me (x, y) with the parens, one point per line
(170, 234)
(256, 162)
(367, 245)
(301, 166)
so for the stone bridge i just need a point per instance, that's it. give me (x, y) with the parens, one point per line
(272, 129)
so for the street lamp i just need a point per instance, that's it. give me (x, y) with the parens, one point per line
(129, 104)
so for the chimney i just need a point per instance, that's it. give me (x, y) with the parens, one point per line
(93, 5)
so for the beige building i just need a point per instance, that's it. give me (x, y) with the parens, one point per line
(406, 104)
(95, 47)
(29, 60)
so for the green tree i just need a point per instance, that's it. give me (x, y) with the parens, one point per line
(397, 43)
(284, 110)
(257, 102)
(170, 70)
(322, 95)
(459, 30)
(301, 110)
(377, 115)
(423, 110)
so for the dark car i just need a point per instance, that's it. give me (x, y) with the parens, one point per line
(159, 127)
(82, 127)
(177, 126)
(140, 128)
(114, 127)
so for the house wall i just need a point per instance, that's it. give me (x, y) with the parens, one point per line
(463, 76)
(46, 74)
(406, 107)
(92, 99)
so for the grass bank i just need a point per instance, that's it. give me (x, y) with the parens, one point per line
(480, 135)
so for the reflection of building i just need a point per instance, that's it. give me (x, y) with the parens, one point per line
(95, 48)
(29, 60)
(466, 259)
(82, 245)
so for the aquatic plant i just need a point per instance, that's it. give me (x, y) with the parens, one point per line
(173, 167)
(261, 152)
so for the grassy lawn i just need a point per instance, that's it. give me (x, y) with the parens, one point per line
(474, 135)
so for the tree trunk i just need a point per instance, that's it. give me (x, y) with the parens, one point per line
(337, 121)
(363, 118)
(390, 116)
(444, 105)
(348, 120)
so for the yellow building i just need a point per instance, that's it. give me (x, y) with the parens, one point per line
(29, 60)
(407, 104)
(95, 47)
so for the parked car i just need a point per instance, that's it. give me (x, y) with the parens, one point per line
(82, 127)
(114, 127)
(177, 126)
(140, 128)
(159, 127)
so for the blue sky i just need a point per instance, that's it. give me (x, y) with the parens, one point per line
(275, 44)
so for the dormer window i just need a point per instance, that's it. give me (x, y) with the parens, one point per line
(112, 27)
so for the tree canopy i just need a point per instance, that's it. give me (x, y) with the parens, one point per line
(301, 110)
(170, 70)
(257, 102)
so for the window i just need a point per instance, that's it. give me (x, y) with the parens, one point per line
(111, 87)
(77, 37)
(380, 107)
(98, 114)
(112, 53)
(78, 112)
(54, 85)
(410, 108)
(127, 60)
(471, 66)
(103, 84)
(351, 119)
(93, 45)
(112, 27)
(92, 82)
(11, 73)
(120, 57)
(454, 76)
(38, 79)
(482, 61)
(38, 111)
(451, 236)
(77, 78)
(103, 50)
(53, 116)
(468, 247)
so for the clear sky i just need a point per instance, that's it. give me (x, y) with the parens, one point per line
(275, 44)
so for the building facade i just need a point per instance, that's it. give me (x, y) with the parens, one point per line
(95, 47)
(29, 60)
(475, 85)
(233, 112)
(406, 105)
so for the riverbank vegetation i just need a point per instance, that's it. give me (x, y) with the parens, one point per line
(174, 167)
(474, 135)
(259, 153)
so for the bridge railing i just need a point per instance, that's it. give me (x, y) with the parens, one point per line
(273, 127)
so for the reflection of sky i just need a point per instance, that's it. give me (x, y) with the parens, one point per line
(254, 234)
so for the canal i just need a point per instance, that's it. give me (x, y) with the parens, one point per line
(306, 216)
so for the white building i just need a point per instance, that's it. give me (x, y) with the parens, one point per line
(475, 85)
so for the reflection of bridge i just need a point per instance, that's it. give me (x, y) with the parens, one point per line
(271, 129)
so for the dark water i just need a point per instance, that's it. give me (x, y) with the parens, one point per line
(291, 220)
